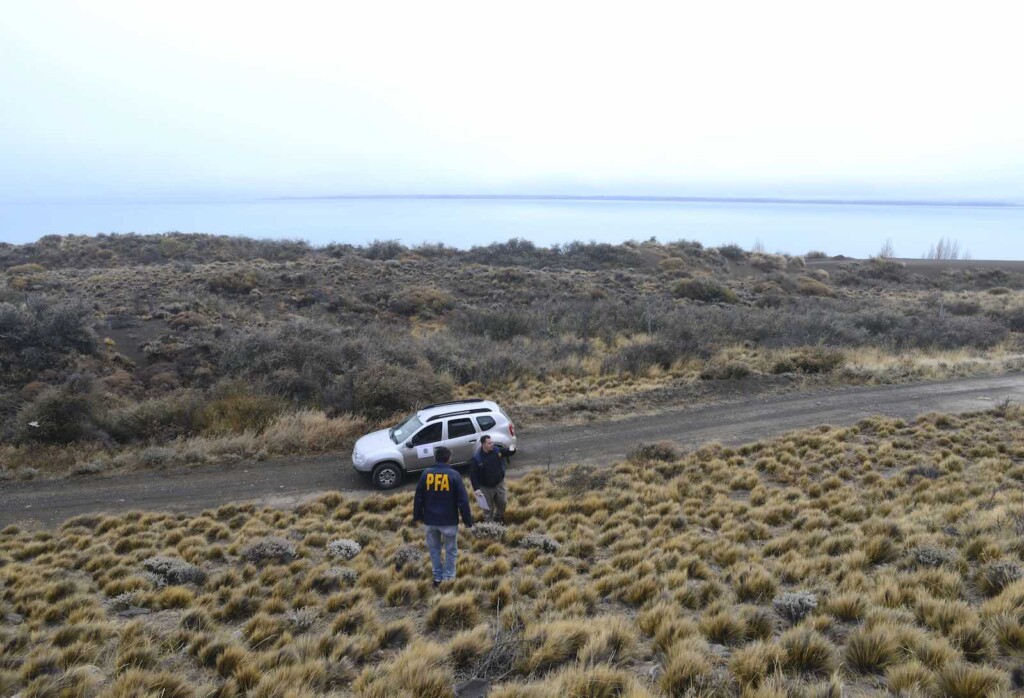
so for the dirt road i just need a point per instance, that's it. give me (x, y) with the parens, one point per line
(285, 481)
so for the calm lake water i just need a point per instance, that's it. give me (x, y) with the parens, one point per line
(854, 230)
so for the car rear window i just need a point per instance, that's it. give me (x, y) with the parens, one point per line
(460, 427)
(485, 422)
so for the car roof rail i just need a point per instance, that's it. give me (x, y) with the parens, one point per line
(455, 402)
(479, 410)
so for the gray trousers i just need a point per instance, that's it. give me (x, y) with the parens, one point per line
(496, 497)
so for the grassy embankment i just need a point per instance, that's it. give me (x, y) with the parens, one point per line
(886, 556)
(128, 351)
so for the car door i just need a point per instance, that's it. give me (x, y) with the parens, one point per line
(461, 439)
(418, 451)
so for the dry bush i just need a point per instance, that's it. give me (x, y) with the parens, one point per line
(706, 290)
(270, 549)
(808, 286)
(423, 301)
(664, 451)
(811, 360)
(311, 431)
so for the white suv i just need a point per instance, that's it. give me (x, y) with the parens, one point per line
(409, 447)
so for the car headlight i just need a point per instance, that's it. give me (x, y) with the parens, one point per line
(358, 458)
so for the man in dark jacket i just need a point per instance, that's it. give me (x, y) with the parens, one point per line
(487, 471)
(440, 498)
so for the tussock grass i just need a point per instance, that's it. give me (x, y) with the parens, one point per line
(687, 669)
(819, 577)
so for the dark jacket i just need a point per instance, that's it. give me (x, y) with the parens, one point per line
(440, 496)
(487, 469)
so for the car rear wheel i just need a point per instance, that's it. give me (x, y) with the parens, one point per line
(387, 476)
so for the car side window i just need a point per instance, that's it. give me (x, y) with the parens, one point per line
(460, 427)
(485, 422)
(427, 435)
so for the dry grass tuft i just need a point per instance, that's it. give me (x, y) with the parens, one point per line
(687, 669)
(871, 651)
(808, 653)
(966, 681)
(454, 613)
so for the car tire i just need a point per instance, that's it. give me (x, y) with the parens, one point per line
(387, 476)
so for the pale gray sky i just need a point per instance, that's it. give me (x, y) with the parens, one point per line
(112, 100)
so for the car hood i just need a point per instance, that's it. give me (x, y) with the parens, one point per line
(375, 441)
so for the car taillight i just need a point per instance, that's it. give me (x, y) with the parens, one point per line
(511, 429)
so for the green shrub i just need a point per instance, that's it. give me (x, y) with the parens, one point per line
(811, 360)
(61, 415)
(422, 300)
(812, 287)
(382, 390)
(732, 252)
(239, 412)
(706, 290)
(39, 335)
(236, 281)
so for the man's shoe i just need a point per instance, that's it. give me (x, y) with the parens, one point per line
(437, 583)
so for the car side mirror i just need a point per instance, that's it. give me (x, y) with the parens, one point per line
(408, 444)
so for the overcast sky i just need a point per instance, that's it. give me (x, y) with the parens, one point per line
(133, 100)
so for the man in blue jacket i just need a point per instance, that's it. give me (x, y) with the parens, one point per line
(440, 498)
(487, 472)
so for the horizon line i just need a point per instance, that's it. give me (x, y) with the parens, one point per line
(963, 203)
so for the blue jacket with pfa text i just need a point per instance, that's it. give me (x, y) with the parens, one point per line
(440, 496)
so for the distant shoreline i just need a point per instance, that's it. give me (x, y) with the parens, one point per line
(651, 199)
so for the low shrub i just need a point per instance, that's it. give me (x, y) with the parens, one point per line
(726, 370)
(663, 451)
(996, 576)
(705, 290)
(270, 549)
(174, 570)
(422, 300)
(795, 606)
(239, 412)
(60, 416)
(344, 548)
(541, 542)
(807, 286)
(811, 360)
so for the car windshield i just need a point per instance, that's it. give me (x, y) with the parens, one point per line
(406, 429)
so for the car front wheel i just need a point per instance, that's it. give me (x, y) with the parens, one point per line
(387, 476)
